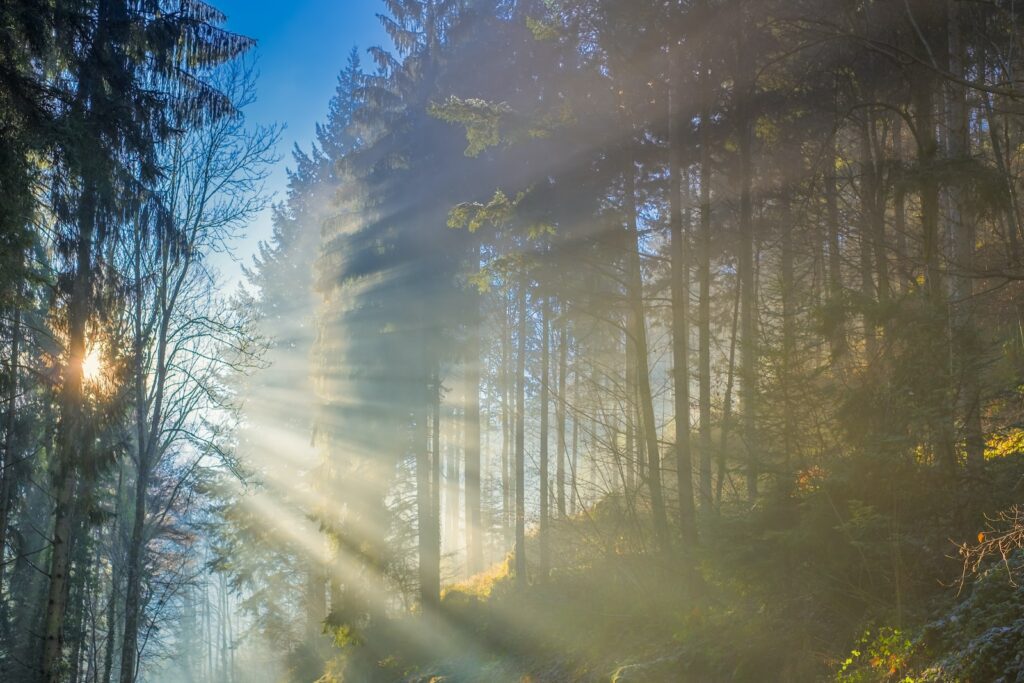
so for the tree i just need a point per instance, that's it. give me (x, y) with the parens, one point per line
(212, 177)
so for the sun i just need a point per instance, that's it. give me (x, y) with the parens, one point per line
(92, 365)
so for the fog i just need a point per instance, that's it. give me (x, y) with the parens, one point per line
(593, 340)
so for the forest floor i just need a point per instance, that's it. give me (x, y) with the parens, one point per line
(607, 612)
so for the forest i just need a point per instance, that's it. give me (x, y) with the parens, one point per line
(595, 340)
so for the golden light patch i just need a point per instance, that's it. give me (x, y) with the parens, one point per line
(92, 365)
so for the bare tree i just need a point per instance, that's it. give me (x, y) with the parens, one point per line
(182, 343)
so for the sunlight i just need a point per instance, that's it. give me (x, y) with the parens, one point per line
(92, 365)
(578, 340)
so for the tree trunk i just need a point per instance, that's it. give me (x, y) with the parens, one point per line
(560, 405)
(879, 241)
(434, 556)
(867, 281)
(574, 461)
(681, 331)
(222, 623)
(748, 339)
(904, 269)
(638, 331)
(10, 450)
(506, 426)
(133, 586)
(995, 138)
(77, 610)
(634, 444)
(704, 304)
(837, 304)
(727, 399)
(71, 445)
(474, 527)
(788, 335)
(934, 286)
(520, 452)
(451, 478)
(148, 423)
(115, 581)
(963, 232)
(424, 503)
(874, 261)
(545, 363)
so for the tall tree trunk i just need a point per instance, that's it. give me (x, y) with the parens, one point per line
(560, 412)
(424, 503)
(704, 303)
(474, 526)
(681, 325)
(520, 450)
(545, 374)
(207, 640)
(875, 260)
(748, 339)
(903, 266)
(727, 399)
(230, 636)
(94, 617)
(942, 422)
(637, 420)
(434, 558)
(837, 304)
(963, 232)
(115, 580)
(133, 585)
(788, 335)
(208, 625)
(222, 622)
(10, 451)
(574, 461)
(506, 425)
(630, 421)
(451, 489)
(77, 613)
(71, 445)
(79, 592)
(879, 240)
(868, 288)
(148, 421)
(996, 140)
(638, 331)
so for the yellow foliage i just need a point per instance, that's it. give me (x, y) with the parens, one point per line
(481, 585)
(1004, 444)
(810, 479)
(922, 455)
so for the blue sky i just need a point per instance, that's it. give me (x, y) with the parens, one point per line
(302, 45)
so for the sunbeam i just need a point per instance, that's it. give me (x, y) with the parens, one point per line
(562, 341)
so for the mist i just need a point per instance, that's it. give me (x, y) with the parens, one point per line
(592, 340)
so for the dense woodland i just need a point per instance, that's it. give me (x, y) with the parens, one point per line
(596, 340)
